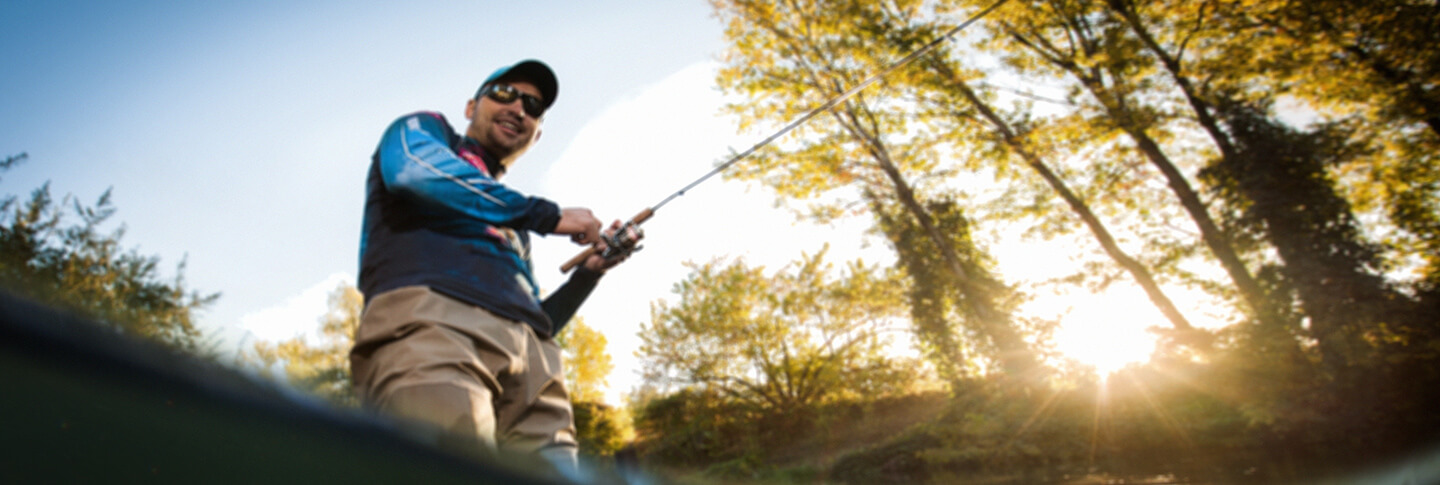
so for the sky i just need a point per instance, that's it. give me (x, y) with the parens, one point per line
(236, 137)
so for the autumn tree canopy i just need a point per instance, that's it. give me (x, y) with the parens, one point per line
(46, 254)
(1277, 157)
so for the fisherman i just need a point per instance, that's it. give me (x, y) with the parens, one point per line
(454, 332)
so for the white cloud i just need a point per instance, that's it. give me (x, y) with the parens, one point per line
(298, 316)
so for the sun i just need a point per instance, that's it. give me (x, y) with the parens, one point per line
(1107, 331)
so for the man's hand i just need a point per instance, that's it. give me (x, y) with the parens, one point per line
(600, 264)
(580, 224)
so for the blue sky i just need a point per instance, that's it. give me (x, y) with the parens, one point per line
(236, 136)
(239, 132)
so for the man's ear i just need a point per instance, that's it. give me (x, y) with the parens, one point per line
(538, 131)
(470, 109)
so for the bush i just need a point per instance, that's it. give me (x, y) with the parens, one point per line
(601, 429)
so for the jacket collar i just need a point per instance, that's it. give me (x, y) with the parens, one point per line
(471, 151)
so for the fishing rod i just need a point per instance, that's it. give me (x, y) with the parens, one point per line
(623, 240)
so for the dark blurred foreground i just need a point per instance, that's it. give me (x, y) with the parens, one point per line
(85, 404)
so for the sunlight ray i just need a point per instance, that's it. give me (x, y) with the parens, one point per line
(1102, 394)
(1167, 419)
(1039, 413)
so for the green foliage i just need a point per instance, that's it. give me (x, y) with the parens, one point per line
(323, 369)
(1278, 176)
(1261, 412)
(780, 342)
(868, 146)
(601, 429)
(897, 460)
(693, 432)
(939, 310)
(80, 268)
(691, 428)
(1003, 434)
(759, 361)
(1279, 155)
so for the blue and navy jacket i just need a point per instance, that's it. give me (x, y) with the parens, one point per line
(436, 216)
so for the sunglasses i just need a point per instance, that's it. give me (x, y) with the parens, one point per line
(506, 94)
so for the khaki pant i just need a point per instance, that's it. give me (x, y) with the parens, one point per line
(484, 381)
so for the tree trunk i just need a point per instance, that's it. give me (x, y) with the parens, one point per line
(1114, 103)
(1263, 307)
(1138, 271)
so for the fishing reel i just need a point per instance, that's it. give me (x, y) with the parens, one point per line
(618, 244)
(623, 241)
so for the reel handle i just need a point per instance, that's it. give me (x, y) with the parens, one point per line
(574, 261)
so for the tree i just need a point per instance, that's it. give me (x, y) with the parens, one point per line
(587, 363)
(1022, 143)
(600, 428)
(1273, 180)
(1083, 42)
(1385, 50)
(779, 342)
(1369, 70)
(690, 427)
(78, 268)
(323, 370)
(1279, 178)
(1321, 229)
(797, 55)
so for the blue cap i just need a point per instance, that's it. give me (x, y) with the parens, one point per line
(531, 70)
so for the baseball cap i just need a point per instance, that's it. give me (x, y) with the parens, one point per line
(531, 70)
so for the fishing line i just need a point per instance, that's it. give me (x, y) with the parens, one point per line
(624, 239)
(842, 97)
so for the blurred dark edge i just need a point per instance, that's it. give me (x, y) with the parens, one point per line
(80, 403)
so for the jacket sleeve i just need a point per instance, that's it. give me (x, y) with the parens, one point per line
(416, 162)
(561, 305)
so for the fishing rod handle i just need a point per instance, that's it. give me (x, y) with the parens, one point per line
(640, 218)
(579, 258)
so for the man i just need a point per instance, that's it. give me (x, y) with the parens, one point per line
(454, 333)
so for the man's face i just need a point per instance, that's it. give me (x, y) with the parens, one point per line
(503, 129)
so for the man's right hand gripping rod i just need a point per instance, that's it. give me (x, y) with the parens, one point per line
(621, 242)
